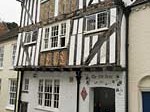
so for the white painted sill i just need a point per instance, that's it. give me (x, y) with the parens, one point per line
(47, 109)
(1, 68)
(29, 43)
(11, 68)
(10, 107)
(52, 49)
(42, 1)
(97, 30)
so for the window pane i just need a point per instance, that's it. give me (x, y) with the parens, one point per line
(54, 36)
(1, 56)
(0, 84)
(14, 53)
(12, 92)
(46, 38)
(91, 22)
(27, 37)
(49, 96)
(34, 35)
(56, 93)
(102, 20)
(26, 84)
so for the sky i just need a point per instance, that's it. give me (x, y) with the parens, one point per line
(10, 11)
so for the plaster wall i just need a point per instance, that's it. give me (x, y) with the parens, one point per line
(139, 54)
(68, 90)
(6, 73)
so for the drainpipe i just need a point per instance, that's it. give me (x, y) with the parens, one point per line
(78, 78)
(127, 13)
(20, 89)
(16, 90)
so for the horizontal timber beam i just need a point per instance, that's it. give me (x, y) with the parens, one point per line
(72, 68)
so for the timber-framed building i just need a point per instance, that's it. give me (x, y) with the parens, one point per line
(71, 56)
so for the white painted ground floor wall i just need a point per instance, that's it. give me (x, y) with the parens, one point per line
(68, 90)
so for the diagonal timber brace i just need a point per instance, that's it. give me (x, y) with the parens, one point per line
(27, 11)
(102, 38)
(90, 2)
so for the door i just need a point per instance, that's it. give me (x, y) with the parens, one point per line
(104, 100)
(146, 101)
(23, 107)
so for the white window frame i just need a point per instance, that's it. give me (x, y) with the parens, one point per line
(96, 23)
(14, 48)
(12, 90)
(0, 85)
(46, 37)
(59, 36)
(26, 84)
(1, 56)
(41, 91)
(30, 41)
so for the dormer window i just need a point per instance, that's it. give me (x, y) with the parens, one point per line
(97, 21)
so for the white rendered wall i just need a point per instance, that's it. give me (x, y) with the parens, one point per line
(68, 89)
(139, 54)
(6, 74)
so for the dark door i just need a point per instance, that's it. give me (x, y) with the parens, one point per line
(23, 107)
(104, 100)
(146, 101)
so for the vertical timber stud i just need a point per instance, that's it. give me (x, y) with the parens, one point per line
(78, 77)
(83, 38)
(20, 89)
(118, 33)
(70, 34)
(76, 42)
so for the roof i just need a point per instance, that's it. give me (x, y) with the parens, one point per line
(139, 2)
(9, 35)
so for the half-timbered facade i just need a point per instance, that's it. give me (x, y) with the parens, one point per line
(71, 56)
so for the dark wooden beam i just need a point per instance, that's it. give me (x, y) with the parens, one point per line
(90, 2)
(101, 39)
(71, 68)
(95, 8)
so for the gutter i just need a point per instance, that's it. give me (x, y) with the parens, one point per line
(134, 5)
(78, 78)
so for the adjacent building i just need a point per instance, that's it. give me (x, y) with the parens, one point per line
(139, 55)
(8, 77)
(71, 56)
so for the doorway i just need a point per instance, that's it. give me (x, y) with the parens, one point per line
(104, 99)
(23, 107)
(146, 101)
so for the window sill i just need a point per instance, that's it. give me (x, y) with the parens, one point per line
(53, 49)
(25, 91)
(1, 68)
(11, 68)
(30, 43)
(47, 109)
(96, 30)
(10, 107)
(43, 1)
